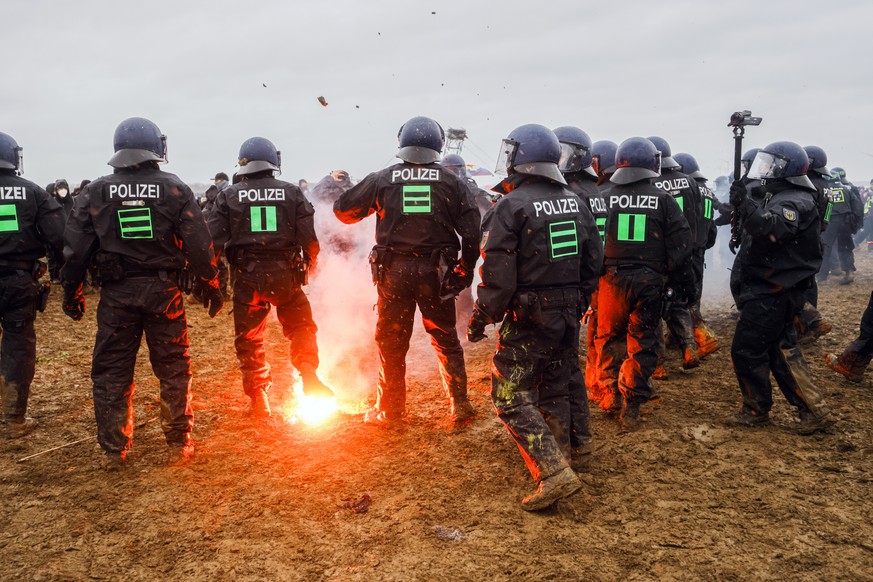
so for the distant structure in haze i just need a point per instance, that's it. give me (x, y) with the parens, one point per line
(454, 141)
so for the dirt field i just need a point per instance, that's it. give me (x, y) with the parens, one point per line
(684, 498)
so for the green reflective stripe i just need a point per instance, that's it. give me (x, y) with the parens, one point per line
(416, 199)
(135, 223)
(8, 218)
(827, 217)
(680, 200)
(631, 227)
(707, 208)
(263, 218)
(601, 227)
(562, 239)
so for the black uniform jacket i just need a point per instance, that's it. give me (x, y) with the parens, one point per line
(538, 236)
(148, 217)
(30, 219)
(264, 216)
(419, 209)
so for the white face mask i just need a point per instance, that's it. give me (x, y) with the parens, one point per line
(61, 192)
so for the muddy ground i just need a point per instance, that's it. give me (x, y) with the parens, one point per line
(684, 498)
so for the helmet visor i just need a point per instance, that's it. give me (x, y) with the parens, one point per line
(506, 156)
(767, 166)
(572, 158)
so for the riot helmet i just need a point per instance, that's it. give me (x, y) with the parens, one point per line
(667, 161)
(258, 154)
(782, 160)
(636, 159)
(818, 160)
(746, 160)
(531, 149)
(11, 157)
(455, 164)
(575, 150)
(138, 140)
(603, 157)
(688, 165)
(839, 174)
(421, 141)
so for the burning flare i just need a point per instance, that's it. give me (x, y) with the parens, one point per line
(313, 410)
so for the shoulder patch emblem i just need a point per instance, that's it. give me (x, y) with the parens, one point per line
(789, 215)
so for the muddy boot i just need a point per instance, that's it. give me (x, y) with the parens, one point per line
(17, 429)
(631, 419)
(580, 455)
(689, 358)
(660, 373)
(848, 278)
(180, 454)
(849, 364)
(748, 417)
(260, 404)
(705, 340)
(551, 489)
(113, 462)
(312, 384)
(382, 419)
(812, 334)
(811, 423)
(612, 401)
(462, 410)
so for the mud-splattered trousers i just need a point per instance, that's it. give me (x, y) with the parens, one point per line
(629, 309)
(127, 309)
(530, 386)
(409, 281)
(271, 283)
(18, 297)
(764, 342)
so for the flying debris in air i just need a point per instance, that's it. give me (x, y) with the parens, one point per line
(357, 106)
(323, 101)
(264, 84)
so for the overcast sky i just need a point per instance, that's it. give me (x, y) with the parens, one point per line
(73, 70)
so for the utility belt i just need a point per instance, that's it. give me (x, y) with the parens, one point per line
(247, 260)
(628, 269)
(443, 259)
(113, 267)
(527, 306)
(35, 269)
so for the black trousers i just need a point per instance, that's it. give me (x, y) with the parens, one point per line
(18, 297)
(839, 235)
(863, 345)
(409, 282)
(530, 386)
(127, 309)
(253, 295)
(629, 311)
(765, 342)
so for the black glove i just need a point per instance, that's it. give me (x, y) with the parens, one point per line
(213, 298)
(476, 328)
(74, 303)
(464, 276)
(738, 193)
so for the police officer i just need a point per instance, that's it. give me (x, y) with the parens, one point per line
(603, 164)
(779, 254)
(810, 324)
(265, 227)
(575, 166)
(687, 194)
(421, 210)
(542, 256)
(648, 247)
(140, 225)
(31, 222)
(846, 218)
(707, 231)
